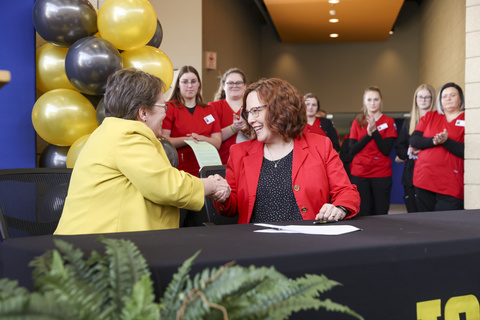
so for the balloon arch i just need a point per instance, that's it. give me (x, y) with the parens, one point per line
(84, 47)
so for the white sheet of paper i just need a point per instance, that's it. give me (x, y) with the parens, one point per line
(206, 154)
(328, 230)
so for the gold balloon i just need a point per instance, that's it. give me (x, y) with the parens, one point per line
(75, 149)
(150, 60)
(61, 116)
(127, 24)
(51, 68)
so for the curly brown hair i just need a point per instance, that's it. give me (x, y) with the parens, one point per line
(285, 112)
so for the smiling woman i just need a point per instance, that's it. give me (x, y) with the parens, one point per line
(283, 174)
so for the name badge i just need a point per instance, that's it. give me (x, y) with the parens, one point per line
(209, 119)
(383, 126)
(460, 123)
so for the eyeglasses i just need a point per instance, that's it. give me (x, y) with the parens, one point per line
(192, 82)
(254, 112)
(424, 98)
(162, 105)
(234, 84)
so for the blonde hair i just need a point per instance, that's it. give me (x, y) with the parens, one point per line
(415, 113)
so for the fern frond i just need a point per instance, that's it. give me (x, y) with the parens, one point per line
(173, 298)
(126, 266)
(141, 305)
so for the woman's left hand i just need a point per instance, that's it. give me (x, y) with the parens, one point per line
(440, 137)
(330, 212)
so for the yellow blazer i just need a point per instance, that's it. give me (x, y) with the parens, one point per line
(123, 181)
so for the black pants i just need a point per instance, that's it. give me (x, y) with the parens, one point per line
(374, 195)
(432, 201)
(410, 198)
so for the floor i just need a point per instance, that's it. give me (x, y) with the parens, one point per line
(397, 208)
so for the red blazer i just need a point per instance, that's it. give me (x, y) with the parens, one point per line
(317, 176)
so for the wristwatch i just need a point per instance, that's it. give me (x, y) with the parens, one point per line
(343, 209)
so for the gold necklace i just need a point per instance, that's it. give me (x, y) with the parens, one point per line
(277, 161)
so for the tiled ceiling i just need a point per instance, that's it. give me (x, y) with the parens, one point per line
(307, 21)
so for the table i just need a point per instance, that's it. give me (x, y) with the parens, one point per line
(393, 264)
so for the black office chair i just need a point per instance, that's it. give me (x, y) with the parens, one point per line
(31, 200)
(214, 218)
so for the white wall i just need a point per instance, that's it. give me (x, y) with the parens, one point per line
(181, 22)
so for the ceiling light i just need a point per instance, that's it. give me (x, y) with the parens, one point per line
(332, 12)
(333, 20)
(333, 35)
(333, 1)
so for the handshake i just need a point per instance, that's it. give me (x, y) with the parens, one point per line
(217, 188)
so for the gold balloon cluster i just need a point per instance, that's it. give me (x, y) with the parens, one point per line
(63, 116)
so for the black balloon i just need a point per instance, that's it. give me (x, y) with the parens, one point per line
(89, 63)
(100, 112)
(170, 151)
(53, 157)
(62, 22)
(157, 38)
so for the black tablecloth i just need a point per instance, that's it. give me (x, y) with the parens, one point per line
(395, 262)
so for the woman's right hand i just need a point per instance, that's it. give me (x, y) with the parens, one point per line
(372, 125)
(217, 188)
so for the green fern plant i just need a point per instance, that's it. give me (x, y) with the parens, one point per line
(118, 286)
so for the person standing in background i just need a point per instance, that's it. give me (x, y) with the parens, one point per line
(439, 169)
(319, 125)
(189, 118)
(372, 136)
(228, 105)
(423, 101)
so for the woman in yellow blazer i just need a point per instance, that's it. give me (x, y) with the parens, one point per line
(122, 179)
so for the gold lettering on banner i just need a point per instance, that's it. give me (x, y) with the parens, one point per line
(432, 309)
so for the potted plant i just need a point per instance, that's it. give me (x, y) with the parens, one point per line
(117, 285)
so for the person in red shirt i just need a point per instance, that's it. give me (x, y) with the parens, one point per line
(439, 169)
(283, 174)
(228, 105)
(372, 136)
(319, 125)
(189, 118)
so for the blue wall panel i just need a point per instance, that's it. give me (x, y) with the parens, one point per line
(17, 54)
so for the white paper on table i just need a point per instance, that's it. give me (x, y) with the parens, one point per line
(206, 154)
(327, 230)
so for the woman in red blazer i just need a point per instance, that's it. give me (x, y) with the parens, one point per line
(282, 174)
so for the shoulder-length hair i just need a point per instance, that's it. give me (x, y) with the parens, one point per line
(220, 95)
(285, 112)
(130, 89)
(415, 113)
(439, 98)
(176, 95)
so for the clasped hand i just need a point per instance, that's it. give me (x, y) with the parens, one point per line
(238, 124)
(195, 137)
(440, 137)
(221, 189)
(372, 125)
